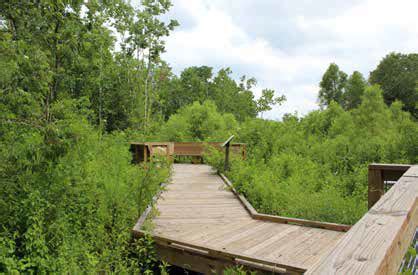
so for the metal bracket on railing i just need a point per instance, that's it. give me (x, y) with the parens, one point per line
(227, 144)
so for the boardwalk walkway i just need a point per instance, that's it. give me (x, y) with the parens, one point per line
(199, 210)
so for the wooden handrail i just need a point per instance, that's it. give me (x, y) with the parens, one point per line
(378, 174)
(143, 151)
(377, 243)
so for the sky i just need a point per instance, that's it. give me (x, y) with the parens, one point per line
(287, 45)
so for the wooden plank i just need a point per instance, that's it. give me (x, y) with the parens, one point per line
(256, 266)
(412, 172)
(200, 261)
(261, 246)
(191, 260)
(223, 230)
(378, 242)
(222, 240)
(389, 166)
(305, 246)
(219, 253)
(302, 222)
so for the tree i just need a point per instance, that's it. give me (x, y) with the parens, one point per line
(230, 97)
(199, 84)
(354, 90)
(146, 39)
(332, 86)
(397, 75)
(199, 122)
(195, 82)
(267, 100)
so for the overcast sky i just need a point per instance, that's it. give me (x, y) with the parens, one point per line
(288, 44)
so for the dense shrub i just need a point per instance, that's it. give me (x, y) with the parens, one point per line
(198, 122)
(315, 167)
(69, 197)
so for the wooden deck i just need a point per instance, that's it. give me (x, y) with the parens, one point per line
(199, 211)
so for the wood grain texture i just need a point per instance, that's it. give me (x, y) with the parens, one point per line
(198, 210)
(378, 242)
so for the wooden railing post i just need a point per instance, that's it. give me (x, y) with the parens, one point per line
(376, 185)
(227, 144)
(378, 174)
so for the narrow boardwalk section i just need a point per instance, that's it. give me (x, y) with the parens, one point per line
(198, 209)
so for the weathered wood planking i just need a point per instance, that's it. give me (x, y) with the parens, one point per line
(378, 242)
(198, 211)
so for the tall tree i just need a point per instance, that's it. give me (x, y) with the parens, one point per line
(354, 90)
(267, 100)
(332, 85)
(146, 40)
(397, 75)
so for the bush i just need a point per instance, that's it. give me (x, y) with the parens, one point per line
(316, 167)
(69, 197)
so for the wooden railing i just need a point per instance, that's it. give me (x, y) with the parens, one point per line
(144, 151)
(378, 175)
(377, 243)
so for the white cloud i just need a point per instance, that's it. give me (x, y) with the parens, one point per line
(355, 36)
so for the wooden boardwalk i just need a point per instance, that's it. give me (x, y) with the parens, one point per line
(198, 210)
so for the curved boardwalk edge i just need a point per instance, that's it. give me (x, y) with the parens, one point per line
(273, 218)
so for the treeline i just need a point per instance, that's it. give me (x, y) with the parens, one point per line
(396, 74)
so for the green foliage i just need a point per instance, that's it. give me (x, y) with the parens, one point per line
(332, 85)
(198, 122)
(354, 90)
(316, 167)
(397, 75)
(199, 84)
(69, 195)
(237, 270)
(267, 100)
